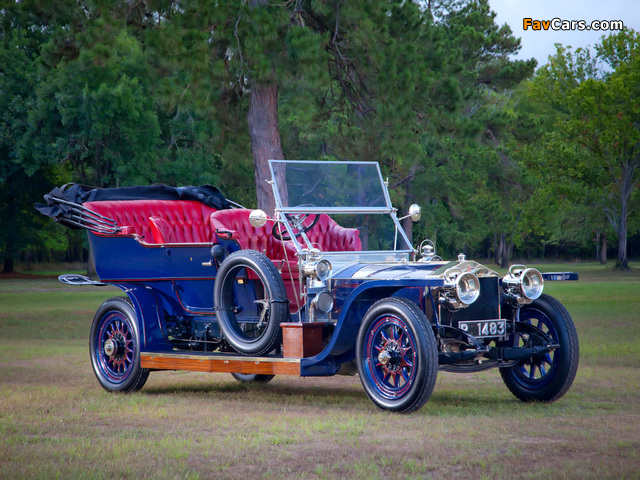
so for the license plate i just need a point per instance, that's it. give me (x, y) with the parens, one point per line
(484, 328)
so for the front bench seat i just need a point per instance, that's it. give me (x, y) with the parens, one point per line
(234, 224)
(328, 235)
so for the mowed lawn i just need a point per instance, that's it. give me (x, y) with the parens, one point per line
(57, 422)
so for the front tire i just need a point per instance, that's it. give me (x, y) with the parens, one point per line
(397, 355)
(115, 347)
(547, 377)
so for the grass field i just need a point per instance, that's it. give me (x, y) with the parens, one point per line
(57, 422)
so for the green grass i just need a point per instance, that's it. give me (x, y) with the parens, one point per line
(56, 422)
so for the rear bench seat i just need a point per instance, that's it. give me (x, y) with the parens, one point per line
(159, 221)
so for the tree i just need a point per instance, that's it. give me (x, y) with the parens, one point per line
(600, 113)
(335, 60)
(104, 112)
(478, 174)
(144, 91)
(21, 36)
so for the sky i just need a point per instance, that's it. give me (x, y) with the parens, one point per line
(540, 44)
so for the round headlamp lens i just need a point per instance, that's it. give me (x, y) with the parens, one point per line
(532, 283)
(467, 288)
(323, 269)
(323, 302)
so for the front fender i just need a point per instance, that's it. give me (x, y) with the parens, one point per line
(341, 347)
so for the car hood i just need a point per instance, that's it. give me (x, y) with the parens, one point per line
(411, 270)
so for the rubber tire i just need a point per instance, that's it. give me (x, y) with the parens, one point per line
(564, 366)
(426, 355)
(274, 289)
(133, 377)
(252, 377)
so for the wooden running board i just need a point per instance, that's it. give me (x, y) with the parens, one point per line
(220, 363)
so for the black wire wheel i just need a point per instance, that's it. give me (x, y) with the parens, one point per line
(250, 302)
(545, 377)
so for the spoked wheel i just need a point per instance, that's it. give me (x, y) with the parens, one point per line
(296, 221)
(545, 377)
(397, 356)
(251, 302)
(115, 347)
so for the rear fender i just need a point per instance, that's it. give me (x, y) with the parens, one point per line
(149, 315)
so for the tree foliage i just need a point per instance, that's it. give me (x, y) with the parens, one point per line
(114, 92)
(598, 119)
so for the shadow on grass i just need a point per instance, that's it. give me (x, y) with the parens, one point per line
(290, 391)
(295, 392)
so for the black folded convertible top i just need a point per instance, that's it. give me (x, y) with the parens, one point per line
(64, 204)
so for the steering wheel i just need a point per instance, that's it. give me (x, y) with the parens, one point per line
(296, 220)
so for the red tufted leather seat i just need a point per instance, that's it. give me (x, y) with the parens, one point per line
(331, 237)
(327, 234)
(160, 221)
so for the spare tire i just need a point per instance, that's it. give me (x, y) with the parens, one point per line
(250, 302)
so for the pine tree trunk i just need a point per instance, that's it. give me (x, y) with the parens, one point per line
(504, 251)
(407, 226)
(626, 189)
(623, 261)
(603, 249)
(265, 140)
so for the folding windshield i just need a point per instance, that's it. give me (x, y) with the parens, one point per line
(344, 187)
(352, 194)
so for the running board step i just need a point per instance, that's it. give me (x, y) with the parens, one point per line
(220, 363)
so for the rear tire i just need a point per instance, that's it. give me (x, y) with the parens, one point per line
(397, 355)
(547, 377)
(114, 346)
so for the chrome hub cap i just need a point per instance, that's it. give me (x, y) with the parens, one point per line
(110, 347)
(391, 357)
(384, 357)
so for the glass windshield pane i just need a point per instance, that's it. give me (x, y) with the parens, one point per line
(329, 185)
(377, 232)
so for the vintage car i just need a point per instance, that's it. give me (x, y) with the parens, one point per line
(330, 285)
